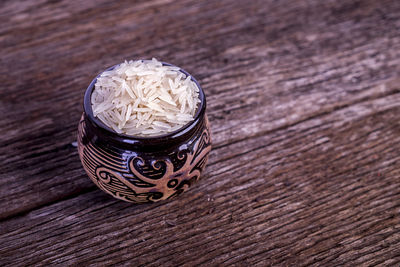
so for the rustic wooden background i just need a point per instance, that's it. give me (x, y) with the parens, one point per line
(304, 102)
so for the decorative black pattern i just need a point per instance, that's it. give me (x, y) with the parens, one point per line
(145, 177)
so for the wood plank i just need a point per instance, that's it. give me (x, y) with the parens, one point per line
(303, 99)
(311, 202)
(37, 130)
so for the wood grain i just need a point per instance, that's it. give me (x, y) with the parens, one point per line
(304, 103)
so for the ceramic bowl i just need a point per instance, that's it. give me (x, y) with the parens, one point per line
(143, 169)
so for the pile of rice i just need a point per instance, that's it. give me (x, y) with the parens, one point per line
(144, 98)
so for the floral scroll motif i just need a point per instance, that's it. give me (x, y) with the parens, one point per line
(144, 178)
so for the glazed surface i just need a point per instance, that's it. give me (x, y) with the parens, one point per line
(140, 176)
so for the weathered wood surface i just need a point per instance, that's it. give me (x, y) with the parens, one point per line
(304, 103)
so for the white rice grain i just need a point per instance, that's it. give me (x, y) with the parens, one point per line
(145, 98)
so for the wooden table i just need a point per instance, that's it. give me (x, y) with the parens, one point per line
(304, 103)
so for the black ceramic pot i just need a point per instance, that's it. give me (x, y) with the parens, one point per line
(143, 169)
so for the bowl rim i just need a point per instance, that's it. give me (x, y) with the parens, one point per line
(87, 107)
